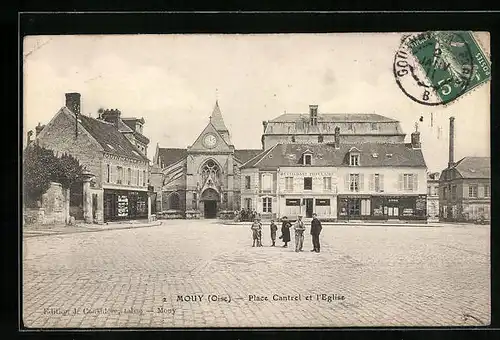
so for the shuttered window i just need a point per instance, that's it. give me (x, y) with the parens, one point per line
(113, 174)
(133, 178)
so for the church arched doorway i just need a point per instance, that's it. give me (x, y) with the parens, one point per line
(210, 199)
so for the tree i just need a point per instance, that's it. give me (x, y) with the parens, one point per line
(41, 166)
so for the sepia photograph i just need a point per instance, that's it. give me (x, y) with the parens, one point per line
(256, 180)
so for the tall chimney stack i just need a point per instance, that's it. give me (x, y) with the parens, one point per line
(313, 114)
(451, 160)
(73, 102)
(337, 138)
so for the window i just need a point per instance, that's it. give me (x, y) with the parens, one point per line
(133, 177)
(108, 173)
(473, 191)
(308, 183)
(377, 182)
(247, 182)
(354, 209)
(354, 160)
(349, 126)
(408, 182)
(374, 126)
(248, 203)
(293, 139)
(129, 175)
(486, 191)
(454, 192)
(289, 183)
(444, 192)
(120, 174)
(429, 190)
(320, 139)
(307, 159)
(354, 182)
(267, 204)
(143, 178)
(138, 178)
(327, 183)
(225, 197)
(267, 182)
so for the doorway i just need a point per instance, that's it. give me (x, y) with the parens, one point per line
(309, 207)
(210, 209)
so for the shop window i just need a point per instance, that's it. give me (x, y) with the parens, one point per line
(473, 191)
(289, 183)
(267, 204)
(354, 207)
(354, 159)
(327, 183)
(247, 182)
(307, 183)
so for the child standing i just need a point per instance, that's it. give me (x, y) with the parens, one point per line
(274, 228)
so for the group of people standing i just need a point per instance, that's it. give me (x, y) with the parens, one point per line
(299, 229)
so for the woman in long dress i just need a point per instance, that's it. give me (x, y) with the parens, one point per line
(285, 231)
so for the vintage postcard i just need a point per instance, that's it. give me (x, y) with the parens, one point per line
(256, 180)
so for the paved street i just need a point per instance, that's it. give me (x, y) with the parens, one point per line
(364, 276)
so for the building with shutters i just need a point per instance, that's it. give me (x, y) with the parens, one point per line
(366, 172)
(465, 187)
(112, 150)
(202, 180)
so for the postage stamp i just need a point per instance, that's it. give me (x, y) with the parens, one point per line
(436, 68)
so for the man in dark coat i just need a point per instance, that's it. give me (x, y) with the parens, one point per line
(315, 231)
(285, 231)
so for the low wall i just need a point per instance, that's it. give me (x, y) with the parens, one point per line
(54, 207)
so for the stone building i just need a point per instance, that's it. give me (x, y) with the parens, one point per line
(465, 187)
(202, 180)
(313, 165)
(109, 149)
(433, 197)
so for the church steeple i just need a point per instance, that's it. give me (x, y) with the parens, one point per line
(217, 120)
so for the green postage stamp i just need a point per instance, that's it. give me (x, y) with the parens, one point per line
(436, 68)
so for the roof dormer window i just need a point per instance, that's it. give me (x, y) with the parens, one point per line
(307, 157)
(354, 159)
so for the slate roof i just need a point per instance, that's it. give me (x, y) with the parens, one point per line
(112, 140)
(335, 117)
(169, 156)
(474, 167)
(387, 154)
(217, 120)
(245, 155)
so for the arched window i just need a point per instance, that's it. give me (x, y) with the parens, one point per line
(174, 203)
(210, 169)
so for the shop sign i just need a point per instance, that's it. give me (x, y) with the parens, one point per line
(322, 202)
(293, 202)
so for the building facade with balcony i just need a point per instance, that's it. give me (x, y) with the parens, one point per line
(119, 169)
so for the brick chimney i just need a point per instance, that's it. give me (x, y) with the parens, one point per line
(111, 116)
(313, 114)
(451, 161)
(337, 138)
(415, 140)
(73, 102)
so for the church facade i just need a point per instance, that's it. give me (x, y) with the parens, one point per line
(202, 180)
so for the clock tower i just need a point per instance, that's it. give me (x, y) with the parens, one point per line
(210, 170)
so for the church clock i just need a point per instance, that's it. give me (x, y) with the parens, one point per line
(210, 141)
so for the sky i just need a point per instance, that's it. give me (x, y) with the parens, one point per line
(173, 82)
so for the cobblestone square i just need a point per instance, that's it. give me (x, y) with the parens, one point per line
(202, 273)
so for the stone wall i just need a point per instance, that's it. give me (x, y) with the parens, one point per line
(54, 207)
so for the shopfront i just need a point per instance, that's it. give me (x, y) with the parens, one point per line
(382, 207)
(125, 205)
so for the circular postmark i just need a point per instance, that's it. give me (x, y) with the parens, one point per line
(433, 68)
